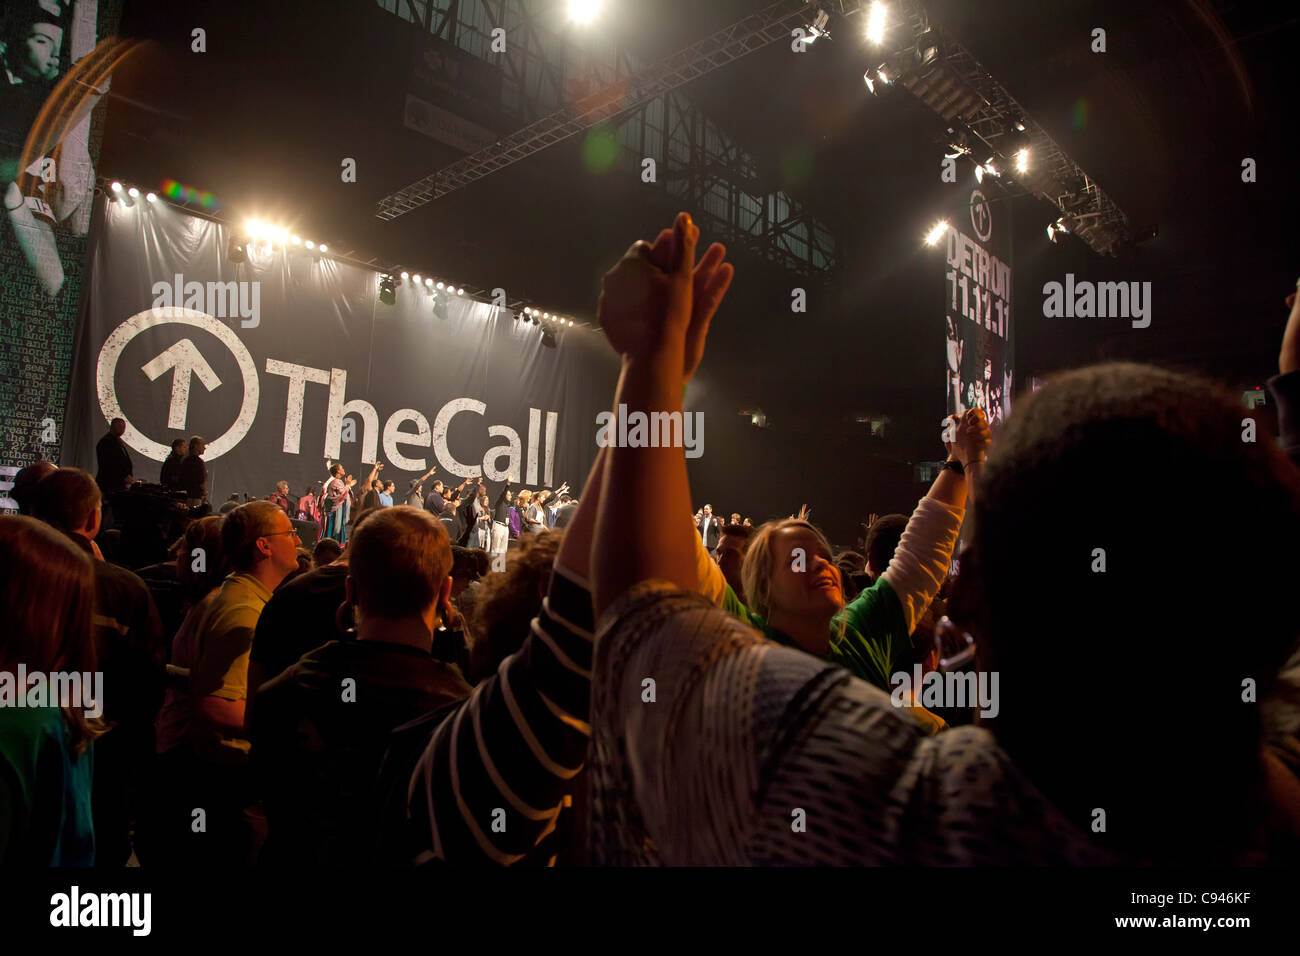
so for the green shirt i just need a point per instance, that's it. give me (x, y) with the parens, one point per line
(874, 638)
(45, 791)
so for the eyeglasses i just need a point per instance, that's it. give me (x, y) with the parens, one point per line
(272, 534)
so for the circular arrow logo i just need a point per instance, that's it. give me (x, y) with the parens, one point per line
(185, 362)
(981, 217)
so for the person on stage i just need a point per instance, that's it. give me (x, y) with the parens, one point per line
(334, 501)
(501, 533)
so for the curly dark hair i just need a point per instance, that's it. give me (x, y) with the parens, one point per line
(1109, 497)
(508, 601)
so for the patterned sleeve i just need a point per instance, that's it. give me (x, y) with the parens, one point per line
(497, 771)
(750, 753)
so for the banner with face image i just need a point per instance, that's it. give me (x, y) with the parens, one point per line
(977, 305)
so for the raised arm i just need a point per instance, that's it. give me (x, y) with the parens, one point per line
(649, 313)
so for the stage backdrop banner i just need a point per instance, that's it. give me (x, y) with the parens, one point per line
(977, 306)
(289, 358)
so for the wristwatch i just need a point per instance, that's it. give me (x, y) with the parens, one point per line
(953, 464)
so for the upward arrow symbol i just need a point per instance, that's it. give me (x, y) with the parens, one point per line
(185, 358)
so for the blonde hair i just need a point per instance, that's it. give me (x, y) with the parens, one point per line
(756, 572)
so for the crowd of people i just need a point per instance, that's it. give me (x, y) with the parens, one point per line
(624, 687)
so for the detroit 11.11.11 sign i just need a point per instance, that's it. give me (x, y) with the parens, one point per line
(977, 307)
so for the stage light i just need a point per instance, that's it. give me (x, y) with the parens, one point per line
(570, 323)
(1051, 231)
(927, 48)
(405, 276)
(979, 174)
(133, 192)
(876, 23)
(584, 11)
(387, 290)
(1020, 126)
(238, 251)
(310, 244)
(440, 285)
(937, 233)
(818, 28)
(460, 291)
(548, 339)
(884, 77)
(990, 169)
(281, 235)
(429, 283)
(116, 187)
(324, 248)
(871, 86)
(1022, 161)
(528, 310)
(151, 197)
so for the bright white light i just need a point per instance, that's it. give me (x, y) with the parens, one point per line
(324, 248)
(570, 323)
(1022, 161)
(991, 169)
(405, 276)
(440, 285)
(310, 244)
(133, 192)
(528, 310)
(935, 234)
(460, 291)
(979, 174)
(866, 78)
(116, 187)
(254, 228)
(884, 78)
(546, 315)
(297, 241)
(584, 11)
(152, 197)
(429, 283)
(416, 277)
(876, 23)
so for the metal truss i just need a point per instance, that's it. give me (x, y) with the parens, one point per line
(953, 84)
(621, 90)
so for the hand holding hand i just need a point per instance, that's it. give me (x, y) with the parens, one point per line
(973, 437)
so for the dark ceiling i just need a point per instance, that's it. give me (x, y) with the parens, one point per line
(1161, 121)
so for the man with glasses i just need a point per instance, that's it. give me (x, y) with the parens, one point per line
(262, 546)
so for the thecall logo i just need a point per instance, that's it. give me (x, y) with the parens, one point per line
(184, 361)
(74, 909)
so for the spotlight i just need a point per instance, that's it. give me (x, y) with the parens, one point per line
(584, 11)
(238, 251)
(979, 174)
(429, 284)
(883, 76)
(116, 187)
(133, 192)
(297, 241)
(151, 197)
(570, 323)
(871, 85)
(324, 248)
(440, 285)
(927, 48)
(416, 278)
(310, 244)
(1051, 231)
(460, 291)
(1020, 126)
(876, 23)
(405, 276)
(1022, 161)
(387, 290)
(548, 339)
(528, 310)
(990, 169)
(935, 234)
(546, 315)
